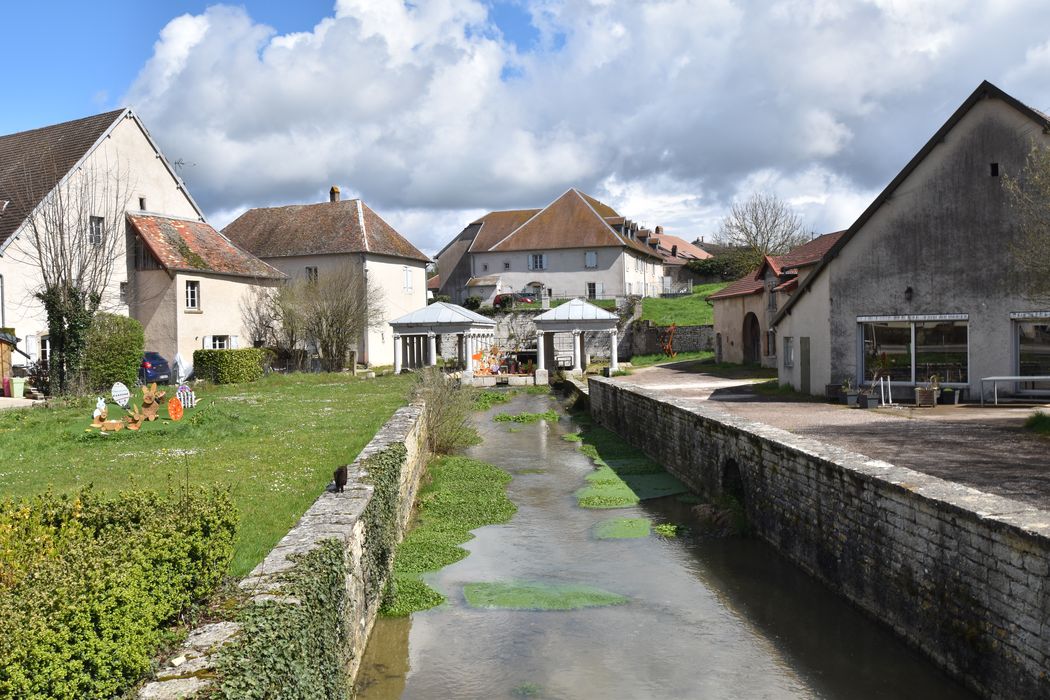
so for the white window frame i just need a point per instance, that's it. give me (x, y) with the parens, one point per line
(123, 287)
(96, 224)
(912, 319)
(590, 259)
(407, 281)
(193, 301)
(537, 261)
(788, 347)
(506, 264)
(220, 342)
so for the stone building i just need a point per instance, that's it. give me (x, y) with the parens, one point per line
(924, 283)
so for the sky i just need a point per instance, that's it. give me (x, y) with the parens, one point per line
(435, 111)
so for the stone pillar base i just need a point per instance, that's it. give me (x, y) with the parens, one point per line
(542, 377)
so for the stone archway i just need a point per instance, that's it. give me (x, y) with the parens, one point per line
(752, 339)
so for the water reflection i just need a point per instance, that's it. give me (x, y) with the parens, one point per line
(706, 619)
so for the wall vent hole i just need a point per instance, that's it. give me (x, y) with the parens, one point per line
(995, 170)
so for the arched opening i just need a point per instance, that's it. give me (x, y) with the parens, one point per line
(732, 482)
(752, 339)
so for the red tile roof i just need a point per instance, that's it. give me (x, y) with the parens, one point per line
(685, 248)
(347, 226)
(181, 245)
(497, 225)
(434, 283)
(33, 162)
(809, 253)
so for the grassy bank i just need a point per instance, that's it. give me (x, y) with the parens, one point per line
(463, 494)
(691, 310)
(662, 359)
(275, 443)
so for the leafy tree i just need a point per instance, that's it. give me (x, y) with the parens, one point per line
(1029, 194)
(731, 265)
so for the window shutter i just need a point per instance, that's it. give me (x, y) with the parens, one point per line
(207, 342)
(530, 262)
(544, 261)
(599, 289)
(233, 342)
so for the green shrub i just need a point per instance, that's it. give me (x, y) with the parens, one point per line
(472, 303)
(440, 297)
(446, 412)
(113, 351)
(229, 366)
(86, 584)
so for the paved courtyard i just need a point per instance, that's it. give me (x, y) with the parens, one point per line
(982, 447)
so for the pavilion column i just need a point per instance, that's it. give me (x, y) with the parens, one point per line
(576, 351)
(459, 349)
(614, 362)
(583, 350)
(420, 361)
(468, 345)
(398, 349)
(539, 350)
(432, 349)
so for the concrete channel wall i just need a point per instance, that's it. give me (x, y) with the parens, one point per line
(960, 574)
(332, 516)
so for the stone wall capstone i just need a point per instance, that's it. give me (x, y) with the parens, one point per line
(960, 574)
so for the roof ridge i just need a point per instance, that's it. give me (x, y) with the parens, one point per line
(583, 198)
(114, 112)
(523, 224)
(361, 223)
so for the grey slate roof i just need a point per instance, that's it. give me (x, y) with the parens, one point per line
(33, 162)
(577, 310)
(442, 312)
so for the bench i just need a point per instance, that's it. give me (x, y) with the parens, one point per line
(1016, 379)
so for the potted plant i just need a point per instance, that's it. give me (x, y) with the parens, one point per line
(926, 395)
(849, 392)
(950, 396)
(835, 393)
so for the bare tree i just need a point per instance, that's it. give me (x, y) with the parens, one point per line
(335, 311)
(1029, 195)
(75, 237)
(259, 314)
(764, 223)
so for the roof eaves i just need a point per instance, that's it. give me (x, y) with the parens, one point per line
(361, 223)
(983, 91)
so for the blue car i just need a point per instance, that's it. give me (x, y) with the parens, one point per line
(154, 368)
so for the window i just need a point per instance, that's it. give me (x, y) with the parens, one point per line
(407, 272)
(142, 204)
(193, 296)
(772, 296)
(590, 259)
(913, 351)
(311, 274)
(123, 292)
(595, 290)
(789, 352)
(771, 343)
(95, 225)
(220, 342)
(484, 267)
(506, 264)
(538, 261)
(1033, 350)
(45, 349)
(994, 169)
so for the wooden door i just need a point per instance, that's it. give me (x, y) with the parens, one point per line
(803, 351)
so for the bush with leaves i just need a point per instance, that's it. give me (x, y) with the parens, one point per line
(113, 350)
(447, 412)
(87, 584)
(472, 303)
(731, 265)
(234, 366)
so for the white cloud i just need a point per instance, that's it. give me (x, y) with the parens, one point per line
(667, 109)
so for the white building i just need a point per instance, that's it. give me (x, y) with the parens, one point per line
(576, 246)
(310, 240)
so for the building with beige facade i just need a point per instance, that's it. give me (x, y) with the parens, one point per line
(576, 246)
(101, 174)
(312, 240)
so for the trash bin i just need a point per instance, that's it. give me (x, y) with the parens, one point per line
(18, 387)
(5, 388)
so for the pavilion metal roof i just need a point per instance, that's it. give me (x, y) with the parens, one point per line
(577, 310)
(442, 313)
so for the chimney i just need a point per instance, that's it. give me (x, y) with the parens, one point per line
(333, 194)
(659, 230)
(674, 251)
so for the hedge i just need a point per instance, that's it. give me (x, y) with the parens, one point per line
(229, 366)
(113, 350)
(87, 584)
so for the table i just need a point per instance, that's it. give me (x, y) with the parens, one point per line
(1016, 378)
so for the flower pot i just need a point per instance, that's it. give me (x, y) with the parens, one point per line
(950, 397)
(834, 392)
(851, 398)
(18, 387)
(871, 401)
(925, 396)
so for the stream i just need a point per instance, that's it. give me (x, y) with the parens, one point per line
(704, 618)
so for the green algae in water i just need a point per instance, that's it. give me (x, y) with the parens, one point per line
(571, 437)
(622, 529)
(666, 530)
(527, 690)
(526, 417)
(606, 495)
(532, 595)
(463, 494)
(487, 398)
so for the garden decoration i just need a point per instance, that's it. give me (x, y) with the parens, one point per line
(112, 426)
(175, 408)
(151, 401)
(134, 418)
(186, 396)
(666, 340)
(100, 414)
(120, 394)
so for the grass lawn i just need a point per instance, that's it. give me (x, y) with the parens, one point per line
(662, 359)
(275, 443)
(692, 310)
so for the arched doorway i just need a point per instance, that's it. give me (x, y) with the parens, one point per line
(752, 339)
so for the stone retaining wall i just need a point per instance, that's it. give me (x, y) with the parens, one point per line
(332, 516)
(960, 574)
(644, 338)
